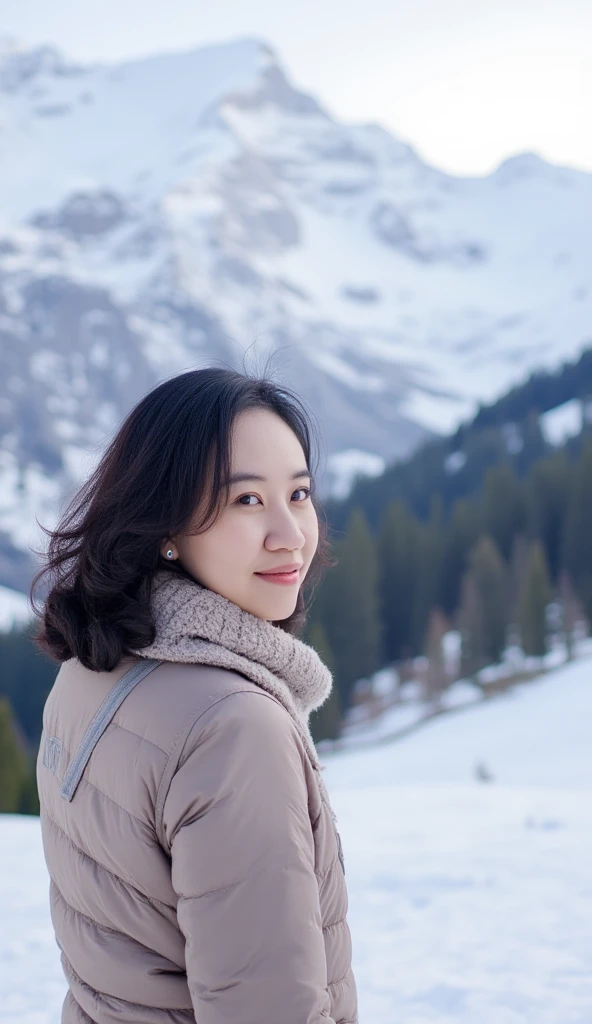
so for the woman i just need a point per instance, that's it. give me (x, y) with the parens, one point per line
(196, 870)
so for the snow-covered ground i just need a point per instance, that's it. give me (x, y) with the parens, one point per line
(470, 902)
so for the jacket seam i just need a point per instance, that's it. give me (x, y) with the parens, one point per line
(91, 920)
(143, 739)
(180, 737)
(230, 885)
(339, 981)
(222, 888)
(317, 819)
(120, 999)
(144, 824)
(107, 928)
(323, 874)
(334, 924)
(82, 1014)
(149, 900)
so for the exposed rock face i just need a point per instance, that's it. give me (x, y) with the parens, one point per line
(83, 214)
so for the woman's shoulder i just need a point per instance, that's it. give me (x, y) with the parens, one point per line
(211, 698)
(178, 700)
(220, 709)
(165, 706)
(195, 688)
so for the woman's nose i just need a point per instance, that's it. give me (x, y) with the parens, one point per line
(285, 532)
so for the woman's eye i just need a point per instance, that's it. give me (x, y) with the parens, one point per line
(247, 504)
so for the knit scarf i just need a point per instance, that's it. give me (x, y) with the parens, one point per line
(195, 625)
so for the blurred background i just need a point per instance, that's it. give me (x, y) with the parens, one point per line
(390, 209)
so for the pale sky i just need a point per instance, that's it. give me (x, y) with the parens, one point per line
(466, 82)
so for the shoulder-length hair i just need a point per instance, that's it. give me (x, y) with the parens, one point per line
(171, 452)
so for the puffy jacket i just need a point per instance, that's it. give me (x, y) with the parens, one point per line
(196, 873)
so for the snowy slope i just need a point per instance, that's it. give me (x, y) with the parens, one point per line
(179, 210)
(566, 421)
(14, 608)
(468, 902)
(528, 737)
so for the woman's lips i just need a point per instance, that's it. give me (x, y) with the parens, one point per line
(280, 577)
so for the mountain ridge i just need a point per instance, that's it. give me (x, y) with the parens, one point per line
(198, 208)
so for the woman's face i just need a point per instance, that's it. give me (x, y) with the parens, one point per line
(266, 524)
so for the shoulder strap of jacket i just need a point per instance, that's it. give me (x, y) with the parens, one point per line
(99, 723)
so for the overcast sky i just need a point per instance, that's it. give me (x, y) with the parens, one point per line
(466, 82)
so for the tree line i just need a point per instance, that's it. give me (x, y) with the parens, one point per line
(490, 567)
(453, 467)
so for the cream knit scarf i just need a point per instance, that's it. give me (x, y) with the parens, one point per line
(196, 625)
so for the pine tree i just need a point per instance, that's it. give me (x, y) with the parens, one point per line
(536, 594)
(547, 490)
(534, 445)
(427, 573)
(460, 535)
(26, 677)
(397, 548)
(326, 721)
(13, 763)
(436, 675)
(483, 615)
(572, 612)
(351, 619)
(577, 546)
(29, 801)
(471, 626)
(517, 575)
(504, 507)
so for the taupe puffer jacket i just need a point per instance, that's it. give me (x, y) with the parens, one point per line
(196, 872)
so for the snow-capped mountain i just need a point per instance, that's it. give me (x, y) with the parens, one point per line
(187, 209)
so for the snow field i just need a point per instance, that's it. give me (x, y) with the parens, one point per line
(469, 901)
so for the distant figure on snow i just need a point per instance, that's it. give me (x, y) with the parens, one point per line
(482, 773)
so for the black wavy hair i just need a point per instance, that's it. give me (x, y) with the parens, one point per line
(170, 453)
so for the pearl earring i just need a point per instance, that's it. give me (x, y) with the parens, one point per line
(170, 553)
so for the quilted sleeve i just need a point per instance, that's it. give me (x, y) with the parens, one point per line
(242, 850)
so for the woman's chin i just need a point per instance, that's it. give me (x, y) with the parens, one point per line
(273, 611)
